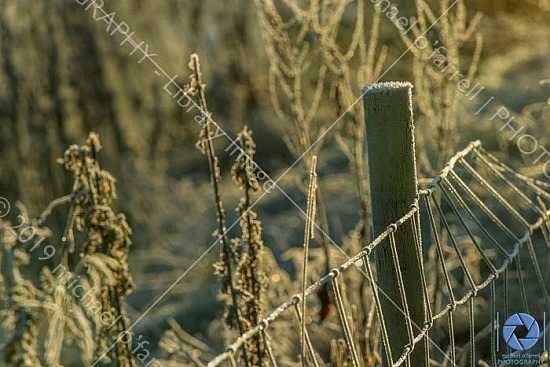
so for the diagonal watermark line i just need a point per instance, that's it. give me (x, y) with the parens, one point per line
(380, 291)
(191, 267)
(180, 93)
(158, 299)
(339, 248)
(282, 191)
(365, 91)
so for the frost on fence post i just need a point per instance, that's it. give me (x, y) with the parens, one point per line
(393, 188)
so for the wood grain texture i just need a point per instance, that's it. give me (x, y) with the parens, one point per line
(393, 188)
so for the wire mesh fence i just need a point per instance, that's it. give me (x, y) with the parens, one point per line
(481, 231)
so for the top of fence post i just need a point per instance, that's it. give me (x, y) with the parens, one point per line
(393, 188)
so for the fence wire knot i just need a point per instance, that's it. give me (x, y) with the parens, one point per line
(473, 227)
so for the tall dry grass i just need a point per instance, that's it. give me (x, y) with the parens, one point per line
(92, 255)
(320, 53)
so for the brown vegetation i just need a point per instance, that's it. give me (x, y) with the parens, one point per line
(292, 72)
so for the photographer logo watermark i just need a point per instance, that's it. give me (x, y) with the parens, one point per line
(520, 321)
(521, 332)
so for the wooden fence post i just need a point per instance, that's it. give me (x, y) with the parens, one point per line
(393, 188)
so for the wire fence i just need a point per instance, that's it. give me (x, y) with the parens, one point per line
(481, 229)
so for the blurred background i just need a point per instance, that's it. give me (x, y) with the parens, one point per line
(62, 75)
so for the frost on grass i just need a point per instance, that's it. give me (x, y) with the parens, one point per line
(92, 256)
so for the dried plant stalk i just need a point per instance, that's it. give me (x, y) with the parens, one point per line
(309, 233)
(22, 324)
(437, 70)
(306, 47)
(228, 257)
(250, 276)
(105, 251)
(101, 269)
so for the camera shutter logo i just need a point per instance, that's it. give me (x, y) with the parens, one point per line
(509, 329)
